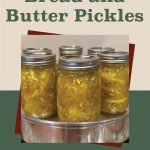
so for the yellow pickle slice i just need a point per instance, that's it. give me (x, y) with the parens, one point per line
(78, 98)
(38, 90)
(115, 87)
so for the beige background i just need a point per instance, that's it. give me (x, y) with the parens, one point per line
(119, 42)
(10, 36)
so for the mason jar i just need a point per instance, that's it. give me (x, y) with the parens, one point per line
(38, 85)
(78, 89)
(98, 50)
(70, 51)
(115, 82)
(38, 51)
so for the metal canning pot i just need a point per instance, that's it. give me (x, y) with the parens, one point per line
(109, 129)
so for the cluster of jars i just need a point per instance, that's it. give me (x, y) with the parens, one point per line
(79, 88)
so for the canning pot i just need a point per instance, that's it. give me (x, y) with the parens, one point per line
(109, 129)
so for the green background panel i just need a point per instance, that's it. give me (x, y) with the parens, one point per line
(139, 125)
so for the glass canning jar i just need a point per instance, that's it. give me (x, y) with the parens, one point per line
(70, 51)
(78, 89)
(38, 85)
(115, 82)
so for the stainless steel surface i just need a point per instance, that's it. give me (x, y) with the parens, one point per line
(114, 57)
(78, 63)
(109, 129)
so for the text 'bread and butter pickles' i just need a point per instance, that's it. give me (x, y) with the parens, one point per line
(80, 15)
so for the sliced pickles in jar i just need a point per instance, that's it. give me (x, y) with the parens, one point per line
(115, 82)
(78, 89)
(38, 85)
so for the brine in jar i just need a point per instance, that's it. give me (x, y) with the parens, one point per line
(78, 89)
(38, 85)
(115, 82)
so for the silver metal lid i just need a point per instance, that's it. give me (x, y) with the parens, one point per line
(98, 50)
(114, 57)
(38, 60)
(79, 63)
(70, 50)
(38, 51)
(109, 49)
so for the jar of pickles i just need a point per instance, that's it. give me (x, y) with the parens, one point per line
(115, 82)
(38, 85)
(78, 89)
(70, 51)
(38, 51)
(98, 50)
